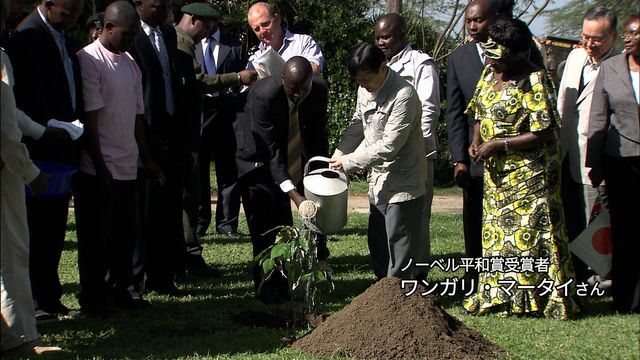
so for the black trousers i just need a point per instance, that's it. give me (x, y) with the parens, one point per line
(265, 207)
(107, 228)
(190, 203)
(162, 232)
(219, 144)
(573, 205)
(47, 218)
(472, 220)
(623, 178)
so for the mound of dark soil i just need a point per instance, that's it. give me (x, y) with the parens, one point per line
(383, 323)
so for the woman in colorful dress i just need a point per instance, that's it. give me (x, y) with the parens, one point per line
(514, 138)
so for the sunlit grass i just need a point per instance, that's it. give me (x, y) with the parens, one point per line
(199, 327)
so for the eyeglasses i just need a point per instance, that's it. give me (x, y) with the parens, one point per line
(594, 39)
(629, 34)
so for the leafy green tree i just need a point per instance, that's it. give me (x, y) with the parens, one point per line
(566, 20)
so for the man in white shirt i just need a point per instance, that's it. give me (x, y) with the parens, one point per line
(267, 25)
(421, 71)
(574, 105)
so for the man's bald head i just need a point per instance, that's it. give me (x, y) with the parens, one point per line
(62, 14)
(121, 26)
(266, 24)
(260, 7)
(120, 13)
(296, 78)
(390, 34)
(393, 20)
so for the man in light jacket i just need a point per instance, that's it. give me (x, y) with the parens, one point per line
(384, 138)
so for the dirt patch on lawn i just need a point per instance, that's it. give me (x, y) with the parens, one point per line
(383, 323)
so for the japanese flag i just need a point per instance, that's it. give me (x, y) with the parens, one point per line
(593, 245)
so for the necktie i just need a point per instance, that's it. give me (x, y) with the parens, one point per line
(163, 57)
(68, 69)
(294, 147)
(209, 60)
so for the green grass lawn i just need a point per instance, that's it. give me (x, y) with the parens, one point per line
(199, 326)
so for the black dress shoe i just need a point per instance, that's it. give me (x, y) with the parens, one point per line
(168, 289)
(43, 317)
(54, 308)
(201, 230)
(206, 272)
(97, 309)
(231, 234)
(271, 295)
(130, 300)
(197, 267)
(271, 298)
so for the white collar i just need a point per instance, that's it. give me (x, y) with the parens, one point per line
(400, 54)
(480, 52)
(148, 28)
(205, 41)
(288, 37)
(596, 64)
(46, 21)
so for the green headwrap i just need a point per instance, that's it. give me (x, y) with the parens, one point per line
(495, 51)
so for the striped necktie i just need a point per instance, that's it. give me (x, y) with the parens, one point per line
(294, 148)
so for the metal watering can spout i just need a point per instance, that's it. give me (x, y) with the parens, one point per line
(328, 189)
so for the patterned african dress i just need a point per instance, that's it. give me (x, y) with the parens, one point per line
(523, 234)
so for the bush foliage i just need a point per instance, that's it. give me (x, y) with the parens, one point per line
(337, 26)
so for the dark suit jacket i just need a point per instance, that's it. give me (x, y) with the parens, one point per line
(463, 72)
(230, 55)
(162, 130)
(262, 129)
(231, 58)
(42, 89)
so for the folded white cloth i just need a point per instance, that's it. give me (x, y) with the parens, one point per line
(75, 129)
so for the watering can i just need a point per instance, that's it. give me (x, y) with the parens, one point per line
(327, 188)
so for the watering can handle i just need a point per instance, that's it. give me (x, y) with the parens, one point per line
(314, 159)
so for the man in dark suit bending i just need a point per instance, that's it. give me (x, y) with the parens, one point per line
(283, 125)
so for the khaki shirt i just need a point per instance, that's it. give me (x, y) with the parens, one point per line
(385, 138)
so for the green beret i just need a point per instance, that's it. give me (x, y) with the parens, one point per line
(201, 9)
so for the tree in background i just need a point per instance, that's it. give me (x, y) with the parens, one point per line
(338, 25)
(566, 20)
